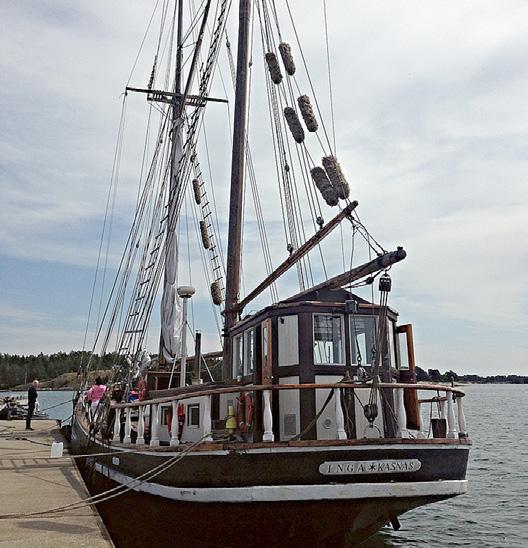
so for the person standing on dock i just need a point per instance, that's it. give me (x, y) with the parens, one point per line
(32, 400)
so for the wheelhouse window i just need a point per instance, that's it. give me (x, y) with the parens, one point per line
(328, 339)
(238, 355)
(362, 339)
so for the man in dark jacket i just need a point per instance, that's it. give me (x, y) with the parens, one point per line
(32, 400)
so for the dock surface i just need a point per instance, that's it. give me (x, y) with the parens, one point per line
(32, 482)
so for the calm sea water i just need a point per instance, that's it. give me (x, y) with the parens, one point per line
(494, 512)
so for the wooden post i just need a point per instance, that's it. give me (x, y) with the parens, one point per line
(154, 418)
(461, 418)
(196, 376)
(268, 417)
(401, 415)
(207, 424)
(141, 426)
(174, 439)
(451, 425)
(128, 425)
(117, 426)
(340, 419)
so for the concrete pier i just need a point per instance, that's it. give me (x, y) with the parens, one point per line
(30, 481)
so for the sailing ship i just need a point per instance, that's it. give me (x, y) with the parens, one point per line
(304, 428)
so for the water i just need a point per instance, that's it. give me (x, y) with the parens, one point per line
(56, 403)
(494, 512)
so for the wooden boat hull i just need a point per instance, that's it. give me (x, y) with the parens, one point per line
(319, 495)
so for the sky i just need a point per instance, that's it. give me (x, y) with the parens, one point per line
(430, 112)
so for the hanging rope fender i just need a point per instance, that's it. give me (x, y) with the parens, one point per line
(305, 106)
(324, 185)
(197, 191)
(216, 293)
(206, 241)
(274, 67)
(287, 58)
(294, 124)
(336, 176)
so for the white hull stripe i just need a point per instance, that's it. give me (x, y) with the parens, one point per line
(268, 493)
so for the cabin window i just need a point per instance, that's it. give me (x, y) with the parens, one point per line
(238, 355)
(193, 415)
(328, 339)
(363, 339)
(250, 351)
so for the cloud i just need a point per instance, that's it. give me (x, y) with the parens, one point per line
(428, 101)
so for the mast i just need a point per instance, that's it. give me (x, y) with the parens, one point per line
(237, 180)
(170, 309)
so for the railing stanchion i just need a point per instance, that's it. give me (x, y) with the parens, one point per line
(401, 414)
(207, 424)
(128, 425)
(174, 439)
(461, 418)
(154, 417)
(117, 426)
(141, 426)
(340, 419)
(268, 417)
(451, 426)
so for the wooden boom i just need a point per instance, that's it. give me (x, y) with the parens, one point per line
(379, 263)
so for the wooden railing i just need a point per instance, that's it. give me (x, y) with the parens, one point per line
(456, 422)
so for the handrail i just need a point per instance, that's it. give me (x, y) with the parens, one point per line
(262, 387)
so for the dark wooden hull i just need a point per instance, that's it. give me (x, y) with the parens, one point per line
(268, 496)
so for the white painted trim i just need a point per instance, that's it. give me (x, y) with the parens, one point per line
(268, 493)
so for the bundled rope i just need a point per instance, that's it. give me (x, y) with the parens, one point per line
(206, 241)
(197, 191)
(274, 68)
(307, 113)
(336, 176)
(324, 185)
(216, 293)
(287, 58)
(294, 124)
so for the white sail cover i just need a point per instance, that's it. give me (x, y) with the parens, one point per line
(171, 315)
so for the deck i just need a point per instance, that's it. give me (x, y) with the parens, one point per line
(32, 482)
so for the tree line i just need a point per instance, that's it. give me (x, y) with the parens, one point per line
(20, 369)
(434, 375)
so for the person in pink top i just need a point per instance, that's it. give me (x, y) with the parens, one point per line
(95, 394)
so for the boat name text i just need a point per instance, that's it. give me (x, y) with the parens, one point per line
(369, 467)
